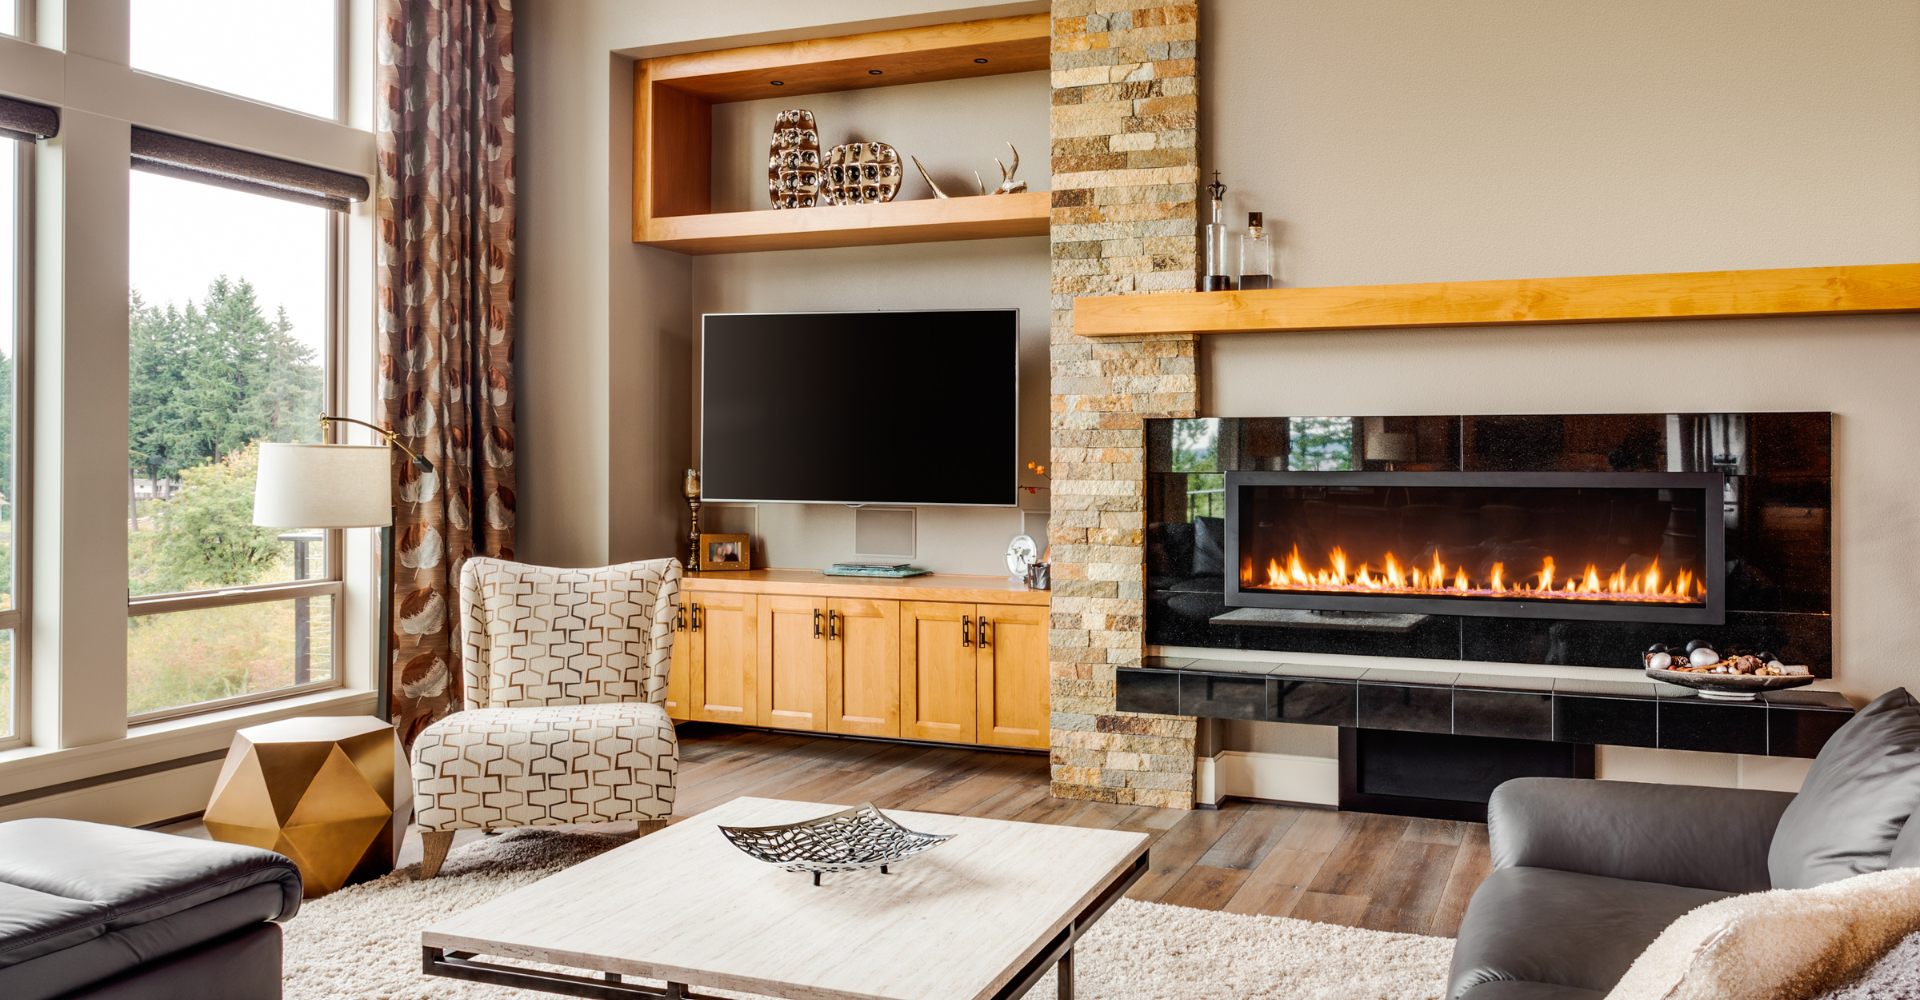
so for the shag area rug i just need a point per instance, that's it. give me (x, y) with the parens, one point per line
(364, 941)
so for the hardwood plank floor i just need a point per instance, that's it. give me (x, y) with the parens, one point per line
(1362, 870)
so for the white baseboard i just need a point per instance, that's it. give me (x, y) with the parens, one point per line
(1274, 777)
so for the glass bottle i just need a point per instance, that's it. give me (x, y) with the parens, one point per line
(1214, 277)
(1256, 255)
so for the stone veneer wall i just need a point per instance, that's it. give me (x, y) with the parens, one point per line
(1125, 182)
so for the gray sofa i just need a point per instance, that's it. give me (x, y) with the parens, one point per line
(107, 913)
(1587, 873)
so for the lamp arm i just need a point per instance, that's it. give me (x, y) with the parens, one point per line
(388, 436)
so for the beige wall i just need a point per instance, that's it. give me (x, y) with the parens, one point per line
(606, 328)
(1502, 138)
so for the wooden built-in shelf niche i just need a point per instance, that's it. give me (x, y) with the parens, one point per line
(673, 137)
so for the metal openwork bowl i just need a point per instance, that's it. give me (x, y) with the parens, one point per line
(858, 838)
(1730, 687)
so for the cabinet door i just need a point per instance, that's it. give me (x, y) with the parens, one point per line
(863, 667)
(936, 671)
(726, 659)
(1013, 708)
(680, 670)
(793, 662)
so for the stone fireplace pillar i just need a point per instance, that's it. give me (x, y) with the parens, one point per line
(1125, 175)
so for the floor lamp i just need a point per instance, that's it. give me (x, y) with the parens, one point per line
(339, 486)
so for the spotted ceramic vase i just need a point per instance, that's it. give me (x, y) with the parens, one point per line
(793, 164)
(861, 173)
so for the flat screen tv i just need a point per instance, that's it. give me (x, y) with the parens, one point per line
(860, 407)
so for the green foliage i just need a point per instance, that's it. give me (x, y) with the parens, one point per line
(205, 536)
(6, 432)
(207, 379)
(191, 657)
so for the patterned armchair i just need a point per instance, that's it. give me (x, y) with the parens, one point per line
(566, 676)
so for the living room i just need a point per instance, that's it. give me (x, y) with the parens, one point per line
(1375, 500)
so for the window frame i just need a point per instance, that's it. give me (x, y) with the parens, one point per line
(333, 581)
(16, 618)
(342, 63)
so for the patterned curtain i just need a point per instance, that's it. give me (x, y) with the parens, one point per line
(445, 299)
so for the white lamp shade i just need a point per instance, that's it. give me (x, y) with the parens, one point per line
(323, 486)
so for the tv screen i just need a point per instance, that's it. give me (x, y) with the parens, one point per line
(860, 407)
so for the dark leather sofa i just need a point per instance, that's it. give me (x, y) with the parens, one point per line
(108, 913)
(1586, 874)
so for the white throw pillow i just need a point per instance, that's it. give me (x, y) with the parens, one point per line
(1786, 944)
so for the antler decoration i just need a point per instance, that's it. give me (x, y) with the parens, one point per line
(937, 193)
(1007, 184)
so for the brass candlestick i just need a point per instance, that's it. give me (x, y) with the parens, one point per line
(692, 489)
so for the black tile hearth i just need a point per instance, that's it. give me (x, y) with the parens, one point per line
(1715, 726)
(1155, 692)
(1799, 723)
(1406, 700)
(1525, 715)
(1314, 703)
(1623, 722)
(1624, 712)
(1224, 696)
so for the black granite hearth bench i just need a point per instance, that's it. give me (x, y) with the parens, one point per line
(1632, 712)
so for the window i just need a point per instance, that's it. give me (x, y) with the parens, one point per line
(9, 18)
(282, 52)
(12, 246)
(231, 343)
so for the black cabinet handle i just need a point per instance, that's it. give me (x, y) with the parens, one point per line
(833, 625)
(966, 630)
(696, 617)
(679, 618)
(816, 623)
(983, 631)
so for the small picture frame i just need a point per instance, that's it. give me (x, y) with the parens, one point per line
(725, 553)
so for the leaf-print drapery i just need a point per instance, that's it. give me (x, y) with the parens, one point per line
(445, 289)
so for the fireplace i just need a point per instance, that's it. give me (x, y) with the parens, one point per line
(1625, 546)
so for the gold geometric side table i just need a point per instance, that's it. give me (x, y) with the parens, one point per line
(319, 790)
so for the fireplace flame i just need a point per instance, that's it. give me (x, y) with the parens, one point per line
(1651, 585)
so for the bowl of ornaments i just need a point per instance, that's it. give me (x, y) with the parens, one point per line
(1732, 676)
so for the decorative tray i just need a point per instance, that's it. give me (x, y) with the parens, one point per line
(851, 840)
(1736, 676)
(1728, 687)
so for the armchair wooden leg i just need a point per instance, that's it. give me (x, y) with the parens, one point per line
(434, 845)
(646, 826)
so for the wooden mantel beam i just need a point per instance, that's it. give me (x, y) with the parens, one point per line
(1793, 291)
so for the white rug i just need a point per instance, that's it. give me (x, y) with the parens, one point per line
(364, 941)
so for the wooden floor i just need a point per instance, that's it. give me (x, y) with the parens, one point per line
(1359, 869)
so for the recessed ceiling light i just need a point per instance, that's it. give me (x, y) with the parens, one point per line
(778, 83)
(979, 60)
(873, 72)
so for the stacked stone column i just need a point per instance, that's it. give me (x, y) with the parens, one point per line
(1125, 178)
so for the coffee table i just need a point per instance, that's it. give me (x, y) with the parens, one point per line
(981, 917)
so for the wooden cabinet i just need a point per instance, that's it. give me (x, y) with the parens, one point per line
(793, 662)
(1010, 674)
(778, 648)
(722, 657)
(936, 671)
(680, 670)
(863, 667)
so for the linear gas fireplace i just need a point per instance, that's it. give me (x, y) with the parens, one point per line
(1632, 546)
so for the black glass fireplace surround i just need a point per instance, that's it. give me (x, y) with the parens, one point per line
(1771, 592)
(1629, 546)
